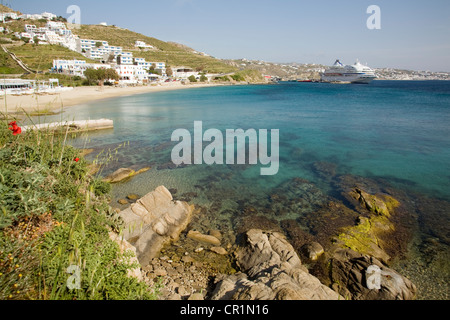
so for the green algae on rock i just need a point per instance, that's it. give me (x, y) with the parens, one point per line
(364, 237)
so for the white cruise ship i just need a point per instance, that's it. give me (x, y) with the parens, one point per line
(356, 73)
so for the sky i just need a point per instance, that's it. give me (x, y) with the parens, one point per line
(414, 34)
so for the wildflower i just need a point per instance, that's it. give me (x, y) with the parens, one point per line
(15, 128)
(20, 275)
(76, 159)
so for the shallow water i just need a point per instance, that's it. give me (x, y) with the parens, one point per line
(395, 132)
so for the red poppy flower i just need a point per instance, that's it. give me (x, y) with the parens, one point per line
(76, 159)
(15, 128)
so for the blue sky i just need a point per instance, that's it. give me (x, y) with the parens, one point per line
(414, 34)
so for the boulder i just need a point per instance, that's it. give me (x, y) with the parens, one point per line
(312, 250)
(123, 173)
(362, 277)
(119, 175)
(219, 250)
(153, 221)
(198, 236)
(271, 271)
(126, 247)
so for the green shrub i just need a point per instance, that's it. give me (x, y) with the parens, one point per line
(53, 215)
(192, 78)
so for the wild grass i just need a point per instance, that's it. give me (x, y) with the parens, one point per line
(54, 215)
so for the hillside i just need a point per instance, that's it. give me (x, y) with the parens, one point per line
(41, 57)
(171, 53)
(5, 9)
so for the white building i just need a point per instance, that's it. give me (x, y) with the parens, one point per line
(142, 44)
(8, 15)
(48, 15)
(53, 38)
(147, 65)
(125, 58)
(76, 67)
(26, 35)
(30, 28)
(86, 44)
(183, 72)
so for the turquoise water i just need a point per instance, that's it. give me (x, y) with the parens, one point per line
(398, 130)
(396, 133)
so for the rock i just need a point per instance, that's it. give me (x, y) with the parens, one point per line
(219, 250)
(153, 221)
(312, 250)
(273, 271)
(182, 291)
(374, 203)
(196, 296)
(119, 175)
(126, 247)
(132, 197)
(123, 173)
(122, 201)
(142, 170)
(160, 272)
(354, 273)
(364, 236)
(188, 259)
(175, 296)
(216, 233)
(198, 236)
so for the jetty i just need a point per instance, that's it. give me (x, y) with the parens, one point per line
(81, 125)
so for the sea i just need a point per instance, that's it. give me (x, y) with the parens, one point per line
(388, 136)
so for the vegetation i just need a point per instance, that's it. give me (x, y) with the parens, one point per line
(169, 53)
(99, 76)
(41, 57)
(192, 79)
(55, 215)
(8, 65)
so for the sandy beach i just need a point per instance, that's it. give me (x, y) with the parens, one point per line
(79, 95)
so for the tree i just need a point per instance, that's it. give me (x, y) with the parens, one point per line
(192, 78)
(203, 78)
(99, 76)
(111, 74)
(169, 71)
(98, 44)
(91, 75)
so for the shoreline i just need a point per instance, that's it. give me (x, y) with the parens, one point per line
(53, 103)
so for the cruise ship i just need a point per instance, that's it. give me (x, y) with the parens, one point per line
(356, 73)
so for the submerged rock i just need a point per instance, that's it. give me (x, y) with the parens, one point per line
(362, 277)
(273, 271)
(123, 174)
(373, 203)
(366, 236)
(312, 250)
(198, 236)
(153, 221)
